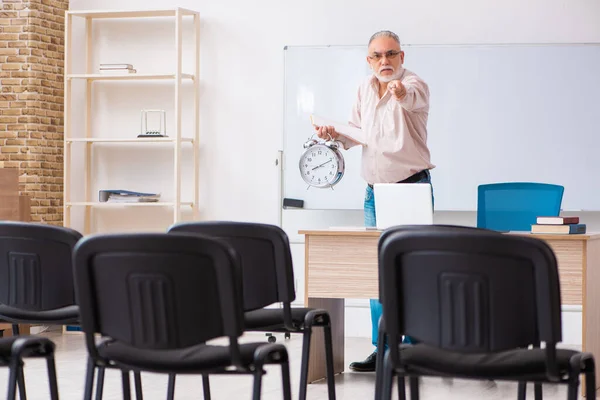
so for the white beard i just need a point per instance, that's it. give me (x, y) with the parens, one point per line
(388, 78)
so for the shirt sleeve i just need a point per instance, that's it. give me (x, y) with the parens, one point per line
(417, 94)
(355, 121)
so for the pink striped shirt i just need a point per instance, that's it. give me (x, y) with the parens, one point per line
(396, 130)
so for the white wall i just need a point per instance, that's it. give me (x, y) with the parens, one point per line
(242, 83)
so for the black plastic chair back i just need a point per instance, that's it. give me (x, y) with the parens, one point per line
(266, 261)
(157, 291)
(36, 272)
(468, 290)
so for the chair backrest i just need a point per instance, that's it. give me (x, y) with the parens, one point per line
(265, 258)
(425, 228)
(36, 272)
(514, 206)
(469, 290)
(157, 291)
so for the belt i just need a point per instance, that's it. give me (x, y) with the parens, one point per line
(412, 179)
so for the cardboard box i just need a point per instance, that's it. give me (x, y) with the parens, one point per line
(15, 208)
(9, 181)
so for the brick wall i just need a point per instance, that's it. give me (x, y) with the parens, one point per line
(31, 100)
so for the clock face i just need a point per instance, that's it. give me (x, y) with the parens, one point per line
(319, 166)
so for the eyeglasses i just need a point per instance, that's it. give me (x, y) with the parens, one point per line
(390, 55)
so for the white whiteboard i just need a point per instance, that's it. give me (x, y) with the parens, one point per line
(497, 113)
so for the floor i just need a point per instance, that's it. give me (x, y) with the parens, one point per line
(71, 356)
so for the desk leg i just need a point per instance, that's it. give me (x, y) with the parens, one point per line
(316, 365)
(591, 299)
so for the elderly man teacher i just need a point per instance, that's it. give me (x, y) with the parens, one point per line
(391, 108)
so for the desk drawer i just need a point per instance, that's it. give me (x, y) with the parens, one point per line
(342, 267)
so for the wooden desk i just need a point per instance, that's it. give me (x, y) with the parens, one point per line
(343, 264)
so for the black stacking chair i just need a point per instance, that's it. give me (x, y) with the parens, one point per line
(13, 351)
(381, 338)
(36, 275)
(156, 299)
(268, 277)
(480, 304)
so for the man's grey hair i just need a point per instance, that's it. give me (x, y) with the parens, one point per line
(389, 34)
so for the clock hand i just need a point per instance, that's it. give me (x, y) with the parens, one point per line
(319, 166)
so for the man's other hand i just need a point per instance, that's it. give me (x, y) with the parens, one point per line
(397, 89)
(325, 131)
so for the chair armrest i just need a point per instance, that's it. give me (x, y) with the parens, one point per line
(317, 317)
(33, 346)
(270, 354)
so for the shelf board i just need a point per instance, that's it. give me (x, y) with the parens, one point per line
(107, 204)
(128, 77)
(171, 12)
(129, 140)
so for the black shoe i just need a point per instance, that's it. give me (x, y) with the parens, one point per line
(365, 366)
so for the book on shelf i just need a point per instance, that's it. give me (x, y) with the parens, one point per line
(127, 196)
(564, 229)
(116, 66)
(117, 69)
(557, 220)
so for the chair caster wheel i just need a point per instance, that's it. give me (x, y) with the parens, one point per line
(270, 337)
(287, 335)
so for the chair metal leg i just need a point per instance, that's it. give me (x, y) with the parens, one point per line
(126, 385)
(89, 379)
(257, 384)
(379, 360)
(52, 378)
(401, 387)
(12, 381)
(388, 378)
(206, 387)
(21, 382)
(100, 383)
(413, 381)
(537, 391)
(304, 363)
(329, 361)
(590, 381)
(285, 380)
(572, 389)
(137, 381)
(171, 387)
(590, 384)
(522, 391)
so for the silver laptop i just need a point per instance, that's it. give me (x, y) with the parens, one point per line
(403, 204)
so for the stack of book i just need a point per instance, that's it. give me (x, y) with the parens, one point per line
(558, 225)
(117, 69)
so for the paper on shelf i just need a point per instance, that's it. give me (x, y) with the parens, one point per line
(352, 133)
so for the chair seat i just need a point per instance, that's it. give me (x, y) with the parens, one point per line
(424, 359)
(191, 359)
(272, 318)
(64, 315)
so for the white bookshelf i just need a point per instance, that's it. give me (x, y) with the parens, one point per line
(90, 139)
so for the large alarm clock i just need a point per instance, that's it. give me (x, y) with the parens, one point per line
(322, 163)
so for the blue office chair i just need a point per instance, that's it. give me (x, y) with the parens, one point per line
(514, 206)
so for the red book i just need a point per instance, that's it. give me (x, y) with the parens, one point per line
(557, 220)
